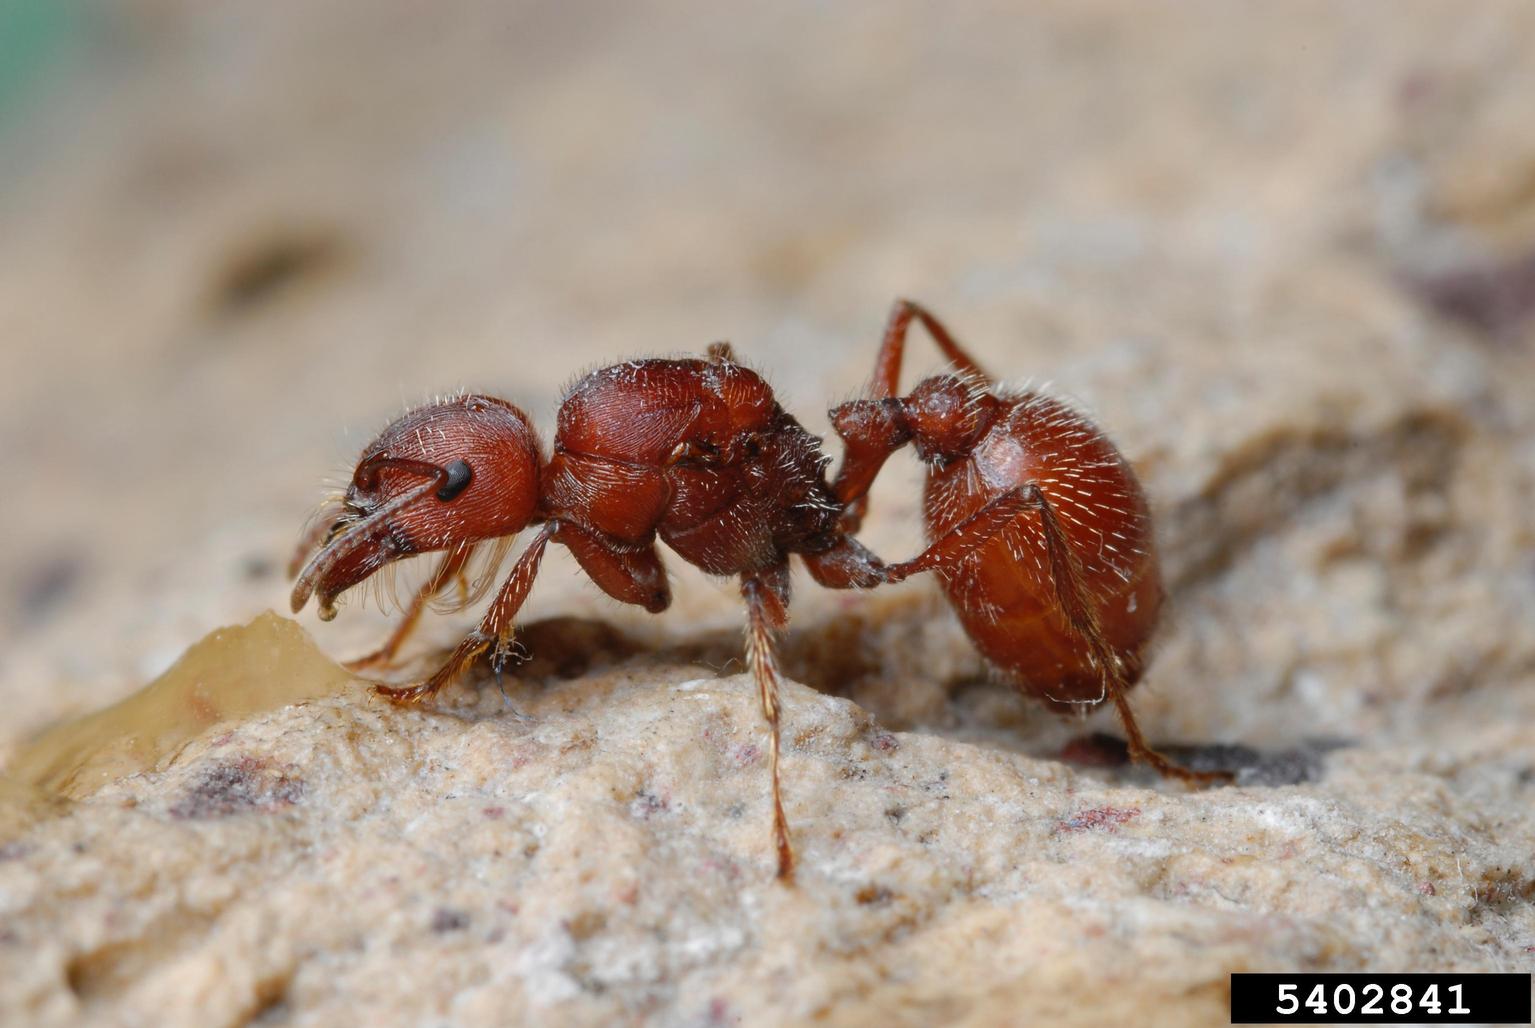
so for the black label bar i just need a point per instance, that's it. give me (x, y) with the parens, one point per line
(1380, 998)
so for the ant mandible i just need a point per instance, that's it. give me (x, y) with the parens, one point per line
(1038, 530)
(696, 452)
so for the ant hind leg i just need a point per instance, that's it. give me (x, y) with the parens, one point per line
(1080, 613)
(887, 367)
(1071, 595)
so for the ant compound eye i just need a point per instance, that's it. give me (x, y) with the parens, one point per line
(459, 474)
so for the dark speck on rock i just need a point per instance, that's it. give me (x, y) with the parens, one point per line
(873, 895)
(1494, 298)
(237, 787)
(647, 804)
(1107, 818)
(446, 919)
(720, 1012)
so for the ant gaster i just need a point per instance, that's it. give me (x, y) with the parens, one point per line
(1038, 530)
(696, 452)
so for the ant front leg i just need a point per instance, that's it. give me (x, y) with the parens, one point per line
(450, 568)
(1071, 595)
(495, 627)
(767, 598)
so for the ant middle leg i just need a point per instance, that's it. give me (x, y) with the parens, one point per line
(767, 596)
(1072, 597)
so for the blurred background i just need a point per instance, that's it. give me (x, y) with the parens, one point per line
(1285, 254)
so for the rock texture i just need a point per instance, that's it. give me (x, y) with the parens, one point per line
(1282, 255)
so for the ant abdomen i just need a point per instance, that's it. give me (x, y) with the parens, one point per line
(1004, 593)
(1036, 526)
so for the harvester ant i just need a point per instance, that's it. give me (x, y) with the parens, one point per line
(1023, 499)
(1037, 527)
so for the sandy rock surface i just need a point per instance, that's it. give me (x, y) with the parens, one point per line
(1285, 258)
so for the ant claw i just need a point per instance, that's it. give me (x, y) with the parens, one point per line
(498, 663)
(404, 696)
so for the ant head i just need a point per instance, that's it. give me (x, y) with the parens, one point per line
(457, 471)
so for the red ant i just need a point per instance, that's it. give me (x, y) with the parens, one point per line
(697, 452)
(1038, 529)
(1040, 532)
